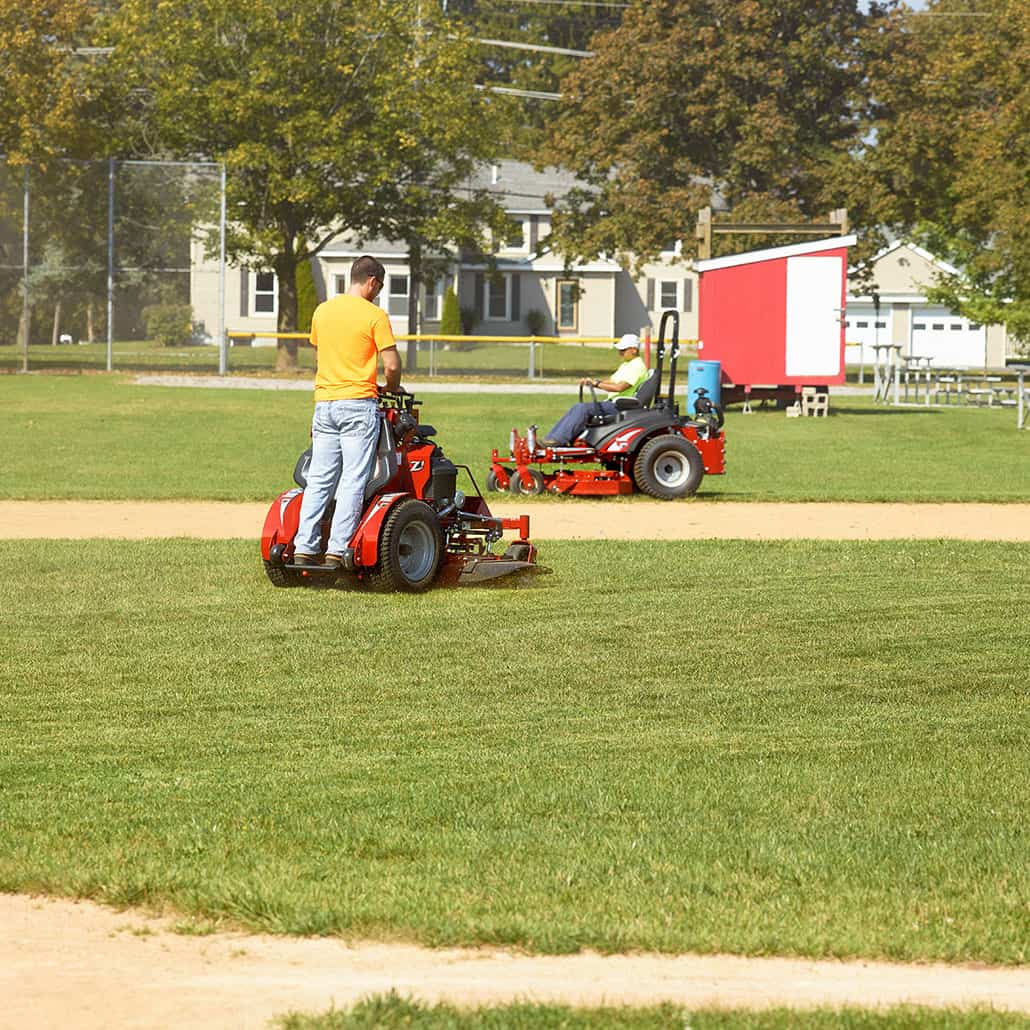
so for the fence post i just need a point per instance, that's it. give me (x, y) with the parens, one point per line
(223, 346)
(110, 264)
(432, 358)
(25, 276)
(532, 357)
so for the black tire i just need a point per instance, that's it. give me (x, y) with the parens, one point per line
(281, 577)
(516, 487)
(410, 549)
(491, 482)
(518, 552)
(668, 467)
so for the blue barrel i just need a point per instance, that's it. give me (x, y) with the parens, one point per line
(703, 375)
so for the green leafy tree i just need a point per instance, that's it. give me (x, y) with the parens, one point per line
(948, 159)
(42, 83)
(327, 116)
(757, 102)
(307, 296)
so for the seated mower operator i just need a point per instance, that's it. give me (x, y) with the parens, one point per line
(348, 332)
(623, 382)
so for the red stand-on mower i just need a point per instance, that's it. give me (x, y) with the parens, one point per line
(645, 446)
(417, 528)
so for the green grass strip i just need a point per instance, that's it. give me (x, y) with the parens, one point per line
(757, 748)
(390, 1012)
(101, 437)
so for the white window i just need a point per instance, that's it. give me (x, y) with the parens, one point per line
(264, 294)
(568, 304)
(497, 298)
(339, 284)
(669, 294)
(519, 239)
(433, 307)
(397, 294)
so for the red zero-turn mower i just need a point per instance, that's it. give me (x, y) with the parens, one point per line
(417, 527)
(645, 446)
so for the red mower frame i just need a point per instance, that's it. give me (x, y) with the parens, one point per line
(417, 529)
(647, 446)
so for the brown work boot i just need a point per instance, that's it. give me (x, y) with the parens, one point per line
(307, 559)
(340, 561)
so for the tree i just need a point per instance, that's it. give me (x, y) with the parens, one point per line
(752, 101)
(568, 26)
(949, 154)
(450, 316)
(41, 79)
(323, 112)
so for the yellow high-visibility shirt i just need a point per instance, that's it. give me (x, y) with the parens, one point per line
(348, 333)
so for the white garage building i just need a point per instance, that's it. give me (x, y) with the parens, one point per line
(902, 274)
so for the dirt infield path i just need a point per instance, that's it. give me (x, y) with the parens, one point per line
(77, 964)
(566, 520)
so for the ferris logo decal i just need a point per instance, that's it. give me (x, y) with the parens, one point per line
(623, 440)
(418, 465)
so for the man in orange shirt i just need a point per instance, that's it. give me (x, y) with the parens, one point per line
(348, 331)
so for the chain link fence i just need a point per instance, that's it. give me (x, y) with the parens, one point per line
(98, 269)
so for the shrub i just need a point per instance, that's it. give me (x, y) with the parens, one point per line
(307, 296)
(170, 325)
(450, 316)
(535, 321)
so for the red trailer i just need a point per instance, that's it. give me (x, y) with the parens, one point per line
(774, 318)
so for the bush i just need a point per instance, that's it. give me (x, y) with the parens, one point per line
(450, 316)
(307, 296)
(170, 325)
(535, 321)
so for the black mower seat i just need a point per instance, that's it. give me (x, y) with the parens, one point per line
(643, 397)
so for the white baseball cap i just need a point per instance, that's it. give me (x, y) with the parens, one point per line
(629, 340)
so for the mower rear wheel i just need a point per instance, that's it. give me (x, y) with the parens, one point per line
(410, 548)
(516, 485)
(281, 577)
(668, 467)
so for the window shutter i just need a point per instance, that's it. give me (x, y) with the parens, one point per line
(480, 287)
(534, 232)
(650, 294)
(516, 313)
(688, 294)
(244, 291)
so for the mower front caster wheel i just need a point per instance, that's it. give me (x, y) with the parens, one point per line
(492, 483)
(668, 467)
(410, 548)
(516, 486)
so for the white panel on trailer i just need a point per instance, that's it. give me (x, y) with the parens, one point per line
(814, 289)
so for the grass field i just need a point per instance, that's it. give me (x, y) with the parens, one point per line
(501, 359)
(802, 748)
(103, 437)
(392, 1013)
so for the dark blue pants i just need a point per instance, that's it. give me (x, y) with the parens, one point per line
(574, 421)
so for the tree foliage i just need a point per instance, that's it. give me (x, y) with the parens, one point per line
(329, 117)
(41, 78)
(949, 152)
(751, 101)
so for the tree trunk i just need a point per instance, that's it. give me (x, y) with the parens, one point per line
(286, 272)
(414, 292)
(57, 323)
(90, 331)
(24, 329)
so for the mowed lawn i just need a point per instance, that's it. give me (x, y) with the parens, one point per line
(103, 437)
(763, 748)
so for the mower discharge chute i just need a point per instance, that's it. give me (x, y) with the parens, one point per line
(416, 528)
(645, 446)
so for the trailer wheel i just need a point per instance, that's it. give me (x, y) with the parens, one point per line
(281, 577)
(491, 482)
(668, 467)
(516, 487)
(410, 549)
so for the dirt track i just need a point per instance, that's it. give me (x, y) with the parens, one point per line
(77, 964)
(566, 520)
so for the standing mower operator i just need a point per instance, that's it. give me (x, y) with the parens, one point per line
(348, 332)
(624, 380)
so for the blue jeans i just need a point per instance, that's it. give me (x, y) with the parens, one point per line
(574, 421)
(344, 435)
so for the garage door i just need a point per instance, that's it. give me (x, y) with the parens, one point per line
(948, 340)
(862, 329)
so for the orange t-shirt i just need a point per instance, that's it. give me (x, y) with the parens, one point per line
(348, 332)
